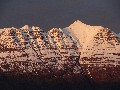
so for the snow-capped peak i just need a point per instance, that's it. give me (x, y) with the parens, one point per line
(83, 31)
(25, 27)
(83, 26)
(77, 23)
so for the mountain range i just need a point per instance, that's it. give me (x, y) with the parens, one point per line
(75, 51)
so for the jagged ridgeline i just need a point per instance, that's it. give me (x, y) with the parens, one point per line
(76, 51)
(31, 50)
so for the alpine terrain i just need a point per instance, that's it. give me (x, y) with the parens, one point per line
(76, 53)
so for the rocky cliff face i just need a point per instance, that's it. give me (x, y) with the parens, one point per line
(75, 51)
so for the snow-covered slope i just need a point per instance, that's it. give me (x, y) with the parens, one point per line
(99, 45)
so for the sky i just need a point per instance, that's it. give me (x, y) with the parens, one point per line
(49, 14)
